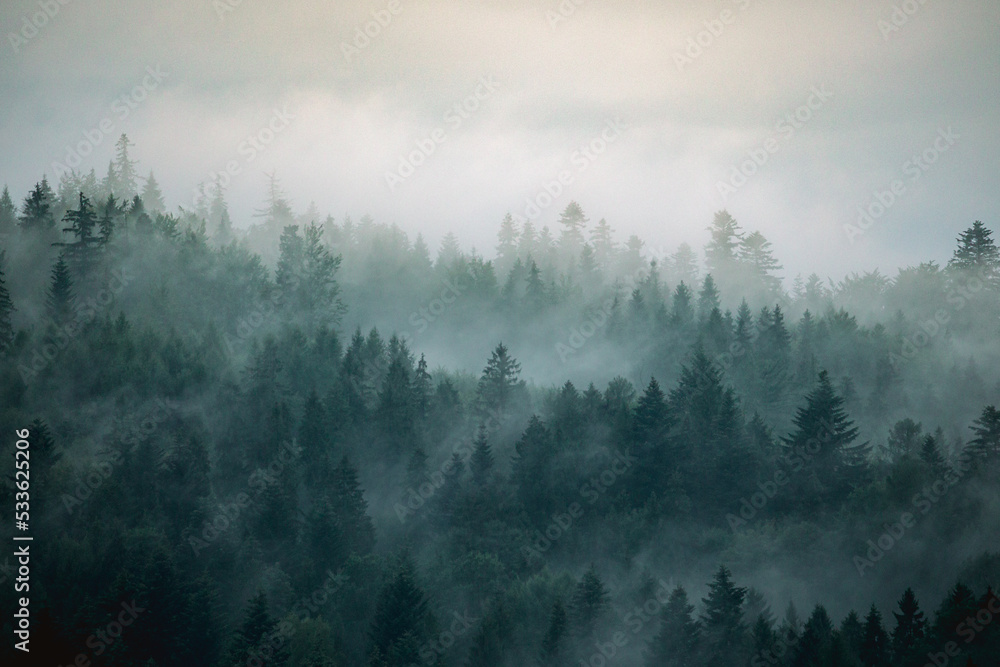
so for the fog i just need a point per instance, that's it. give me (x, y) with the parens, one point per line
(503, 334)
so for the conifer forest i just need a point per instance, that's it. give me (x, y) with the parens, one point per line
(242, 426)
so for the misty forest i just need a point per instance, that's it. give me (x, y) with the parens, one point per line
(316, 441)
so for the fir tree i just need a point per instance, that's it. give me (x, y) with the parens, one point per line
(823, 426)
(152, 198)
(874, 650)
(708, 298)
(399, 627)
(481, 461)
(553, 639)
(498, 383)
(678, 639)
(8, 213)
(977, 254)
(722, 621)
(908, 635)
(589, 602)
(61, 300)
(573, 222)
(36, 212)
(126, 179)
(6, 310)
(986, 428)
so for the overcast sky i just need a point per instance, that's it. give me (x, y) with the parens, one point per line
(698, 86)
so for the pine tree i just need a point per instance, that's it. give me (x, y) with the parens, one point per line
(8, 213)
(60, 300)
(449, 252)
(823, 426)
(677, 642)
(682, 314)
(553, 639)
(535, 293)
(36, 212)
(399, 627)
(351, 509)
(977, 254)
(684, 265)
(125, 174)
(720, 253)
(506, 243)
(589, 602)
(249, 638)
(986, 428)
(722, 621)
(756, 256)
(6, 310)
(313, 440)
(817, 640)
(498, 383)
(573, 222)
(908, 635)
(82, 223)
(481, 461)
(651, 413)
(152, 198)
(874, 650)
(708, 298)
(604, 245)
(931, 455)
(218, 216)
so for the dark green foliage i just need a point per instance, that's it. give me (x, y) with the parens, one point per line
(678, 639)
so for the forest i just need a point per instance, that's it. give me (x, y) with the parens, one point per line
(313, 441)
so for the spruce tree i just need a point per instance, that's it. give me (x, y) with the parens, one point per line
(874, 650)
(8, 213)
(152, 198)
(506, 243)
(573, 222)
(481, 461)
(589, 602)
(499, 383)
(722, 620)
(986, 428)
(553, 639)
(677, 642)
(6, 310)
(126, 179)
(351, 509)
(708, 298)
(977, 254)
(824, 430)
(399, 627)
(36, 212)
(908, 635)
(60, 301)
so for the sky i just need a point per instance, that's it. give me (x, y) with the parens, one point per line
(795, 116)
